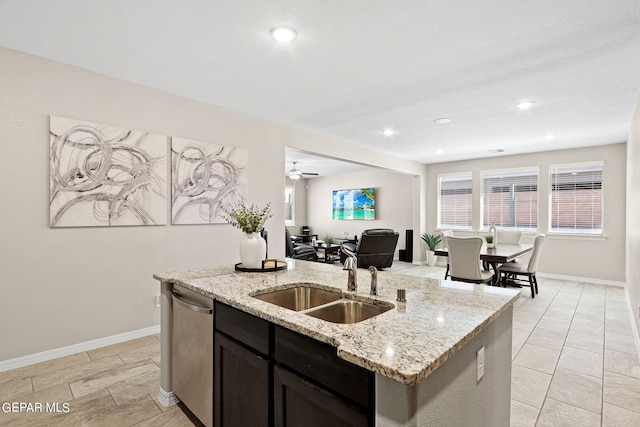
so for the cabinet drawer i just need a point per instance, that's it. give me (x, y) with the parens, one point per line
(320, 362)
(300, 403)
(244, 327)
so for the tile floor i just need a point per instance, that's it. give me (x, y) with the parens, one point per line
(574, 363)
(574, 359)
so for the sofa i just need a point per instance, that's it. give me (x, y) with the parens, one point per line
(299, 251)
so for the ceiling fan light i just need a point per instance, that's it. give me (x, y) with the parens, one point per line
(295, 176)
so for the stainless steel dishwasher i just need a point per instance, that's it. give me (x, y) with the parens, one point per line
(192, 352)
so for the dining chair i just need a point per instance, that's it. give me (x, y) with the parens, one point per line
(464, 253)
(514, 269)
(443, 235)
(509, 236)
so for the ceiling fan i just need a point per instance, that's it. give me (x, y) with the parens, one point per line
(297, 174)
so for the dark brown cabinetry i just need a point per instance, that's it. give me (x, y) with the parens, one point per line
(241, 385)
(266, 375)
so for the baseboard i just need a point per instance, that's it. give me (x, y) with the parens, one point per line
(167, 398)
(582, 279)
(32, 359)
(634, 327)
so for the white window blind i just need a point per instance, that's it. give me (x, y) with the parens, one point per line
(510, 199)
(455, 201)
(576, 198)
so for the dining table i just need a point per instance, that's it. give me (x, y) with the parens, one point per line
(499, 254)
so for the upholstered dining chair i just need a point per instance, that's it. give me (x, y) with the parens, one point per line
(513, 269)
(509, 236)
(464, 253)
(443, 235)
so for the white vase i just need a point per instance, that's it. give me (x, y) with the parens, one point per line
(432, 258)
(253, 250)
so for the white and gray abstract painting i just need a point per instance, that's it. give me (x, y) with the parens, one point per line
(205, 177)
(106, 176)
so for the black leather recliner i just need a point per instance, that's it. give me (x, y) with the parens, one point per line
(302, 251)
(375, 247)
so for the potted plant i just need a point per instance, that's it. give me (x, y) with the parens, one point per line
(432, 241)
(251, 220)
(489, 240)
(328, 240)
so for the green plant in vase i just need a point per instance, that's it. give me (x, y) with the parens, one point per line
(328, 239)
(489, 240)
(251, 220)
(432, 241)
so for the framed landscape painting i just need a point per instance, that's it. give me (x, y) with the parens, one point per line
(357, 203)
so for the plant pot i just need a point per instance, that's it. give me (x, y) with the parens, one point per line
(491, 245)
(432, 258)
(253, 250)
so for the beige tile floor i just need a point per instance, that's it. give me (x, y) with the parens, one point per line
(574, 360)
(574, 363)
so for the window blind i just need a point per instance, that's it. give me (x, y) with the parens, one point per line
(576, 198)
(510, 199)
(455, 201)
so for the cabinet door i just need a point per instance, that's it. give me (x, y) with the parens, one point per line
(301, 403)
(241, 385)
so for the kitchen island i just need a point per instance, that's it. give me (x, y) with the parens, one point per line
(422, 353)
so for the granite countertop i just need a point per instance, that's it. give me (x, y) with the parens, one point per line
(406, 343)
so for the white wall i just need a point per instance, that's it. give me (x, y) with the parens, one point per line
(633, 219)
(564, 256)
(66, 286)
(394, 203)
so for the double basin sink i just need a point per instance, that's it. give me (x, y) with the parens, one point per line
(324, 304)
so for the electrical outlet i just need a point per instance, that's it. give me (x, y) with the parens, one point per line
(157, 301)
(479, 364)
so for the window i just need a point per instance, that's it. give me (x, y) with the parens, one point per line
(510, 199)
(576, 198)
(289, 206)
(455, 201)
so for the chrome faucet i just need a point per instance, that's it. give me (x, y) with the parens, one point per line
(374, 280)
(350, 264)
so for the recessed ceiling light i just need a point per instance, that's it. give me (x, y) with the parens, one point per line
(388, 132)
(442, 120)
(439, 151)
(549, 136)
(283, 34)
(525, 105)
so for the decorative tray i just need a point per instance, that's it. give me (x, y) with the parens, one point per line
(267, 265)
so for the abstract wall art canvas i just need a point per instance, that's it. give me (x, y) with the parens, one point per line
(103, 175)
(204, 178)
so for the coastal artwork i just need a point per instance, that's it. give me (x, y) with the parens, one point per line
(354, 204)
(105, 176)
(205, 178)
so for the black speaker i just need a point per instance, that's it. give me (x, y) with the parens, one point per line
(409, 246)
(402, 255)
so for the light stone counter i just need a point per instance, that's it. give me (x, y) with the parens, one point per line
(406, 343)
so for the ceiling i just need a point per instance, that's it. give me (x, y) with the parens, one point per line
(360, 66)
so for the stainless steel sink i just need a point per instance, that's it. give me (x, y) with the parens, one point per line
(348, 311)
(300, 298)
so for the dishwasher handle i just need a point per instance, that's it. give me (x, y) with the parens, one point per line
(192, 307)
